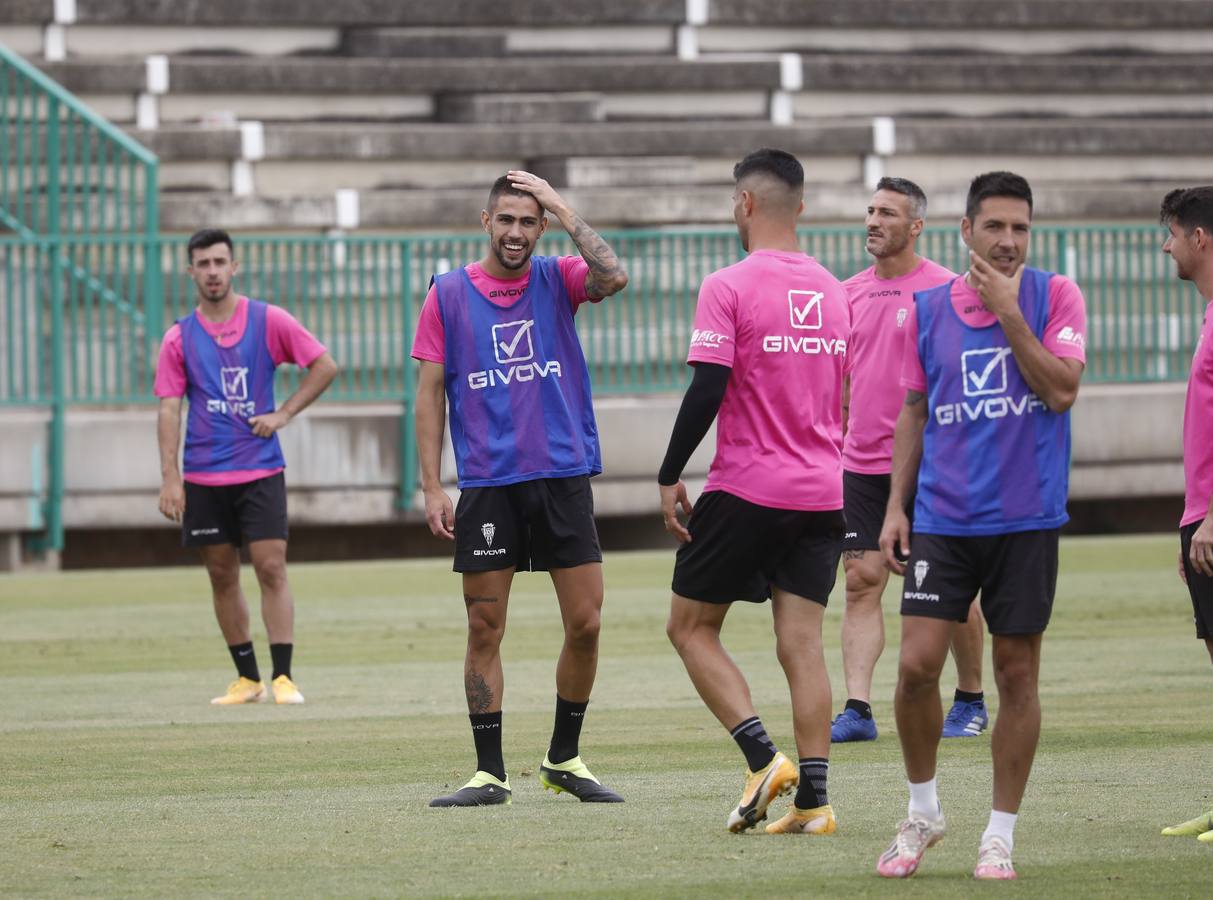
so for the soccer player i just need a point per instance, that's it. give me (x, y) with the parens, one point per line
(991, 367)
(880, 298)
(1187, 214)
(768, 345)
(222, 358)
(497, 338)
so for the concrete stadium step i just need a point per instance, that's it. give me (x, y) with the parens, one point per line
(423, 209)
(1039, 14)
(321, 75)
(616, 171)
(379, 12)
(471, 142)
(519, 109)
(424, 42)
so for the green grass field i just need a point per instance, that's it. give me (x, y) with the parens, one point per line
(117, 778)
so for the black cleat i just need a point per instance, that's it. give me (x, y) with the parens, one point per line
(572, 777)
(482, 790)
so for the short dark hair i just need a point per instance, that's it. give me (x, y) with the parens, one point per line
(502, 186)
(208, 237)
(996, 184)
(1188, 208)
(907, 188)
(777, 163)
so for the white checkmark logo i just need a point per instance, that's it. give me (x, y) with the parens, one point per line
(801, 313)
(979, 367)
(508, 350)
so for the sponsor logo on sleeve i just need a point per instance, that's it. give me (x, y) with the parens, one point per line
(709, 340)
(1069, 336)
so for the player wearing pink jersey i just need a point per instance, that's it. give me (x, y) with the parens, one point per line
(769, 341)
(222, 358)
(1187, 214)
(881, 297)
(991, 367)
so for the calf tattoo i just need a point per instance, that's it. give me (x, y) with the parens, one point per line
(479, 694)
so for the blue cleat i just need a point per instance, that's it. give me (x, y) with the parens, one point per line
(849, 726)
(966, 719)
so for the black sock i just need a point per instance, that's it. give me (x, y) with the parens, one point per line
(812, 790)
(486, 732)
(245, 660)
(864, 709)
(752, 738)
(565, 734)
(970, 696)
(281, 654)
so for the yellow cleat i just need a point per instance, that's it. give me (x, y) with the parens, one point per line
(285, 691)
(778, 777)
(1206, 838)
(1192, 828)
(806, 821)
(242, 690)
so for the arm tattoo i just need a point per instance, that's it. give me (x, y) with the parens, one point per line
(479, 694)
(913, 398)
(604, 264)
(468, 599)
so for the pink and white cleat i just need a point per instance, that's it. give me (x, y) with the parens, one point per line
(994, 861)
(914, 837)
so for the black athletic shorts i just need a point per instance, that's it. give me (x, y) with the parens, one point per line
(235, 513)
(547, 523)
(1200, 587)
(1016, 574)
(740, 551)
(865, 499)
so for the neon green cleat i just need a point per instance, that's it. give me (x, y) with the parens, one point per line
(572, 777)
(1206, 838)
(483, 790)
(806, 821)
(777, 777)
(242, 690)
(285, 690)
(1200, 827)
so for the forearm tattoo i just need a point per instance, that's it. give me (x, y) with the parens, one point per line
(603, 263)
(479, 694)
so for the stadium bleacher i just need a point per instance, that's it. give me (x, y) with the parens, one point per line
(265, 111)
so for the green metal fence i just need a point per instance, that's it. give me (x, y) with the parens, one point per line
(80, 325)
(66, 177)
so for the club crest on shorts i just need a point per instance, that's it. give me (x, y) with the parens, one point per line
(920, 572)
(488, 529)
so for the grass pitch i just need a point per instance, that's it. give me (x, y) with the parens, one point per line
(117, 777)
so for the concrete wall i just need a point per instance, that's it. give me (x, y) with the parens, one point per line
(344, 460)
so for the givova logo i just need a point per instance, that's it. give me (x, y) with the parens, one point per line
(233, 381)
(804, 313)
(488, 530)
(921, 568)
(983, 374)
(514, 351)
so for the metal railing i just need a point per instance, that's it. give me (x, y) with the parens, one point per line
(66, 177)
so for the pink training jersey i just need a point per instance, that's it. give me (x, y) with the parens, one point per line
(1065, 329)
(430, 341)
(781, 322)
(288, 341)
(879, 309)
(1198, 428)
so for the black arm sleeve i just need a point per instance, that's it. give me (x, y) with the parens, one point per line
(699, 408)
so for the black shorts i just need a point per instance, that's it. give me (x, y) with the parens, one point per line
(1016, 574)
(534, 526)
(235, 513)
(865, 499)
(1200, 587)
(740, 551)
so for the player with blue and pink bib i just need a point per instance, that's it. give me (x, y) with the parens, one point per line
(221, 358)
(497, 342)
(991, 367)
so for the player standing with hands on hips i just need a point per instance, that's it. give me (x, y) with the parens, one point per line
(497, 340)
